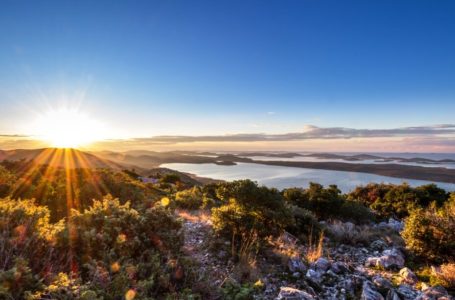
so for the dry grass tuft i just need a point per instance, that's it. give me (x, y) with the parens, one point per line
(350, 234)
(315, 250)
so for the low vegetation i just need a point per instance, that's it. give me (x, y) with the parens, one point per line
(105, 234)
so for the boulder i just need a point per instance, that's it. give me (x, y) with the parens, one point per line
(392, 295)
(436, 292)
(314, 276)
(369, 292)
(295, 264)
(382, 283)
(288, 293)
(390, 258)
(406, 292)
(339, 267)
(322, 264)
(395, 225)
(408, 276)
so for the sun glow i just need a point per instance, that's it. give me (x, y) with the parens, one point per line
(68, 128)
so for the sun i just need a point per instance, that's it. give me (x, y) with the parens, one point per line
(68, 128)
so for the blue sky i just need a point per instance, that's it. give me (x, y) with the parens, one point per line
(150, 68)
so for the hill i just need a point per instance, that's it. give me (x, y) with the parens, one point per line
(55, 157)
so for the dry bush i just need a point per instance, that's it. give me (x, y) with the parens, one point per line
(350, 234)
(447, 275)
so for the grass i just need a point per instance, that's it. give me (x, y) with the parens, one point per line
(315, 249)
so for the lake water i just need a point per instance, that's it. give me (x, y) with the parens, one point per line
(433, 156)
(284, 177)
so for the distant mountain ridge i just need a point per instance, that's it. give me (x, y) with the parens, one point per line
(55, 157)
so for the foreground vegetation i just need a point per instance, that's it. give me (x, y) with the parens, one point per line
(100, 234)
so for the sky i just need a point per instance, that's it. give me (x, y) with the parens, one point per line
(252, 75)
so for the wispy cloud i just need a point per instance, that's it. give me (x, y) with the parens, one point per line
(439, 137)
(309, 132)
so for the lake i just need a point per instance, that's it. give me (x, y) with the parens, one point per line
(284, 177)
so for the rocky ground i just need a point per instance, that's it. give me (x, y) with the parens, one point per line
(373, 272)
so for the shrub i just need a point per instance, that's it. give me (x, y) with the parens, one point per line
(397, 201)
(351, 234)
(7, 180)
(170, 178)
(27, 247)
(447, 275)
(328, 203)
(235, 291)
(431, 234)
(189, 199)
(116, 248)
(250, 215)
(323, 202)
(356, 212)
(25, 233)
(305, 223)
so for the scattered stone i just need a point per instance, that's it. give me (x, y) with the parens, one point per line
(339, 267)
(396, 225)
(314, 276)
(381, 283)
(369, 293)
(289, 293)
(295, 264)
(406, 292)
(408, 276)
(392, 295)
(436, 291)
(322, 264)
(378, 245)
(391, 258)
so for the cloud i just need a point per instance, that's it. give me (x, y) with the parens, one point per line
(309, 132)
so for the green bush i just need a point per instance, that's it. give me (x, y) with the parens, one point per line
(170, 178)
(328, 203)
(251, 214)
(27, 247)
(117, 248)
(190, 198)
(305, 223)
(106, 251)
(7, 180)
(396, 201)
(431, 234)
(356, 212)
